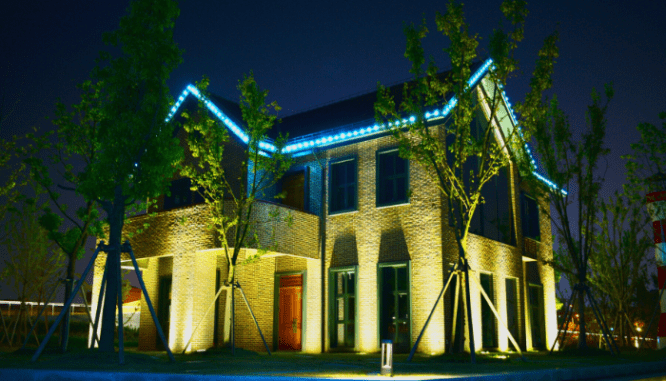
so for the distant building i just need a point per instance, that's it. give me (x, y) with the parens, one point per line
(388, 247)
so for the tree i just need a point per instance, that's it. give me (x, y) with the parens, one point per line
(75, 139)
(646, 170)
(645, 174)
(571, 163)
(135, 153)
(231, 192)
(647, 160)
(459, 158)
(619, 259)
(13, 175)
(34, 264)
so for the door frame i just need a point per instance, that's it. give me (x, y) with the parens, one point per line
(541, 317)
(493, 299)
(519, 335)
(380, 266)
(331, 306)
(276, 307)
(161, 305)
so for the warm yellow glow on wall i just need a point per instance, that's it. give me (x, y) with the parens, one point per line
(427, 280)
(313, 311)
(192, 291)
(367, 309)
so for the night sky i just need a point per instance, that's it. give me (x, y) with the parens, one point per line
(310, 53)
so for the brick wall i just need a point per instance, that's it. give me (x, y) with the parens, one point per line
(417, 232)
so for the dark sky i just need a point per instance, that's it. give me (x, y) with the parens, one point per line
(309, 53)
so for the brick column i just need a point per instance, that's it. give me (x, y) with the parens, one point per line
(147, 330)
(192, 291)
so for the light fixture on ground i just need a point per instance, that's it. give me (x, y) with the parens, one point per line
(387, 358)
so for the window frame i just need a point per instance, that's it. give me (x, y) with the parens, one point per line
(342, 161)
(386, 153)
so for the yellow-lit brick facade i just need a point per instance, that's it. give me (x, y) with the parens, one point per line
(178, 245)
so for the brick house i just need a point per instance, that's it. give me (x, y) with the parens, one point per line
(387, 246)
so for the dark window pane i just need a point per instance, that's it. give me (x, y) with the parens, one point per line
(388, 278)
(401, 191)
(351, 173)
(181, 194)
(351, 308)
(530, 217)
(402, 278)
(385, 166)
(349, 336)
(490, 219)
(400, 165)
(536, 317)
(337, 173)
(403, 306)
(512, 307)
(487, 316)
(294, 187)
(339, 199)
(351, 283)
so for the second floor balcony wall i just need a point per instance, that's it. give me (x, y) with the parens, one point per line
(280, 230)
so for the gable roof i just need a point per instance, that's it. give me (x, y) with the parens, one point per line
(345, 122)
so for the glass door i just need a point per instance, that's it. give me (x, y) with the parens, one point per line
(343, 311)
(488, 321)
(394, 305)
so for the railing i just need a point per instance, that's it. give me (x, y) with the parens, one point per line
(11, 307)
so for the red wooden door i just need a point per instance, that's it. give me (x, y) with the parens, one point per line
(290, 315)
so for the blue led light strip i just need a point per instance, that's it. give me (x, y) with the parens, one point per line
(363, 132)
(238, 131)
(374, 129)
(514, 120)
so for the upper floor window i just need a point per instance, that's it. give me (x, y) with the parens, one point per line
(392, 178)
(294, 185)
(181, 195)
(343, 186)
(494, 218)
(529, 214)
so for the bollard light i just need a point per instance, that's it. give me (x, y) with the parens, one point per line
(387, 358)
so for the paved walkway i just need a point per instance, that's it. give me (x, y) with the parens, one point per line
(579, 373)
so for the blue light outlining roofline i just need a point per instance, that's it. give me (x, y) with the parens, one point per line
(238, 131)
(514, 121)
(306, 143)
(302, 145)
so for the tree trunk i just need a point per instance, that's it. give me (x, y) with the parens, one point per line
(115, 213)
(582, 332)
(69, 285)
